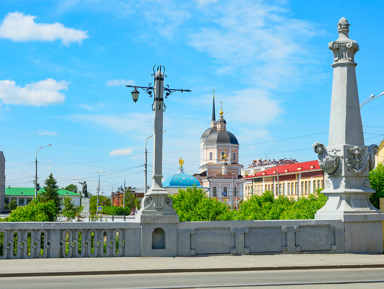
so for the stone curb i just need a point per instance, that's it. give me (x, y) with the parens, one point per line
(188, 270)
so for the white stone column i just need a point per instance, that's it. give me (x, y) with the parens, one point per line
(299, 192)
(346, 161)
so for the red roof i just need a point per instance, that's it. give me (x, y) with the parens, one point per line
(288, 169)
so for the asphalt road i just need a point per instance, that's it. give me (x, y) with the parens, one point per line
(311, 279)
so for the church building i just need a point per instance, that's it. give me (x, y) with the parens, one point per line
(219, 162)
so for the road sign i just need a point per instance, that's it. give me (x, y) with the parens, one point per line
(100, 208)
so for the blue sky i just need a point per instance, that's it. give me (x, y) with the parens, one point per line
(64, 65)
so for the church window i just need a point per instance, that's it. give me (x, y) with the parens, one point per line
(222, 155)
(214, 192)
(210, 155)
(234, 192)
(234, 156)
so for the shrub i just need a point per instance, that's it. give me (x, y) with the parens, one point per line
(12, 205)
(35, 211)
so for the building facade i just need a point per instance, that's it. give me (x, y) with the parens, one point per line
(219, 170)
(117, 198)
(292, 180)
(24, 196)
(380, 154)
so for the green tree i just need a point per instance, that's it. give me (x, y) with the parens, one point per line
(376, 178)
(35, 211)
(12, 205)
(131, 201)
(103, 201)
(72, 188)
(192, 204)
(51, 192)
(70, 211)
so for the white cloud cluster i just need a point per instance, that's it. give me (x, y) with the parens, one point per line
(19, 27)
(121, 152)
(119, 82)
(45, 92)
(256, 40)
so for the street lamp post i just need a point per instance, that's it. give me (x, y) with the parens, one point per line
(146, 164)
(39, 148)
(98, 192)
(372, 97)
(156, 200)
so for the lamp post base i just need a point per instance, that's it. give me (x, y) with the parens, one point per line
(156, 207)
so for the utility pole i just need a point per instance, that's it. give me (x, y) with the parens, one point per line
(36, 185)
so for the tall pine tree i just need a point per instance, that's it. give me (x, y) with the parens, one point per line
(51, 192)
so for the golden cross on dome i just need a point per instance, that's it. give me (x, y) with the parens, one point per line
(181, 162)
(221, 108)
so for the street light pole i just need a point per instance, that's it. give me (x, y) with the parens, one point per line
(98, 192)
(372, 97)
(156, 200)
(146, 164)
(39, 148)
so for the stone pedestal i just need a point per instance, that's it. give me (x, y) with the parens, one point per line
(85, 203)
(346, 161)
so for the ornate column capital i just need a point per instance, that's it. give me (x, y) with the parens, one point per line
(343, 48)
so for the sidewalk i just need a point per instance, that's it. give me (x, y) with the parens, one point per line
(143, 265)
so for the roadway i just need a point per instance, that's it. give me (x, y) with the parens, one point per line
(312, 271)
(303, 279)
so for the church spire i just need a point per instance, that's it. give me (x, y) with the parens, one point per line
(213, 121)
(213, 107)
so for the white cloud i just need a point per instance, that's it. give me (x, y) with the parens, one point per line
(255, 41)
(118, 82)
(45, 92)
(253, 106)
(50, 133)
(121, 152)
(19, 27)
(134, 122)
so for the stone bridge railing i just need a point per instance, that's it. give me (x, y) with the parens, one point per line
(69, 240)
(75, 240)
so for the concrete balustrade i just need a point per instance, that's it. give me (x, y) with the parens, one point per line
(79, 240)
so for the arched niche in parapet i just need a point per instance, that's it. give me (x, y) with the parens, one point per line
(158, 239)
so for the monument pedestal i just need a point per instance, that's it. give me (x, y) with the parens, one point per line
(346, 161)
(85, 203)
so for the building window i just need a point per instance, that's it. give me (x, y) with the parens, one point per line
(222, 155)
(210, 155)
(225, 193)
(234, 156)
(21, 202)
(214, 192)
